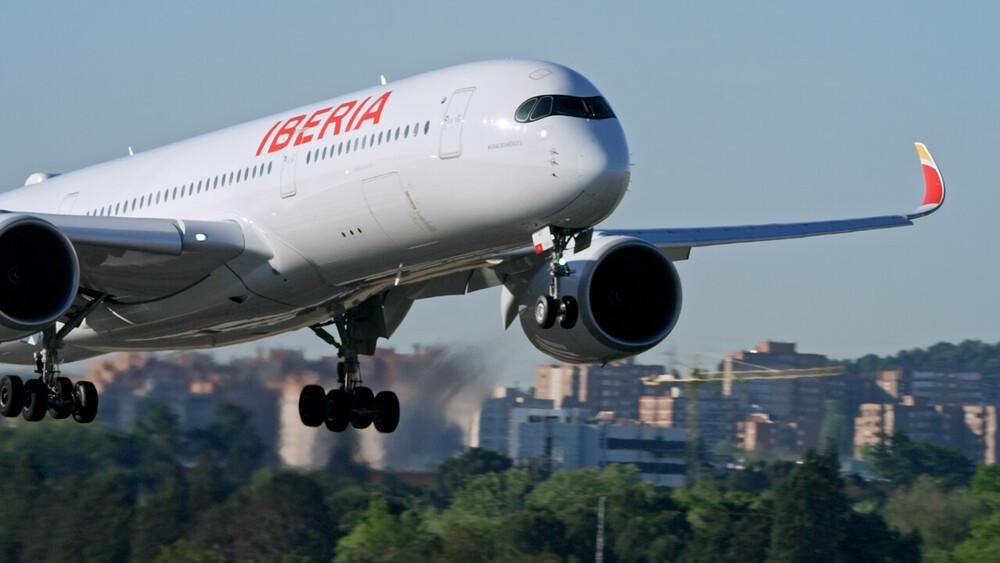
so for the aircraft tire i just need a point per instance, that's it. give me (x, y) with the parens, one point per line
(36, 397)
(312, 405)
(570, 312)
(387, 405)
(338, 410)
(84, 402)
(62, 410)
(11, 395)
(362, 403)
(545, 311)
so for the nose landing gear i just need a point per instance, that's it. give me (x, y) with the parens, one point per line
(350, 403)
(552, 307)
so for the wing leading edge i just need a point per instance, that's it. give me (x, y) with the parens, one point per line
(678, 242)
(137, 259)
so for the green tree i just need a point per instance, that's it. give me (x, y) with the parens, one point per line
(836, 428)
(23, 484)
(183, 551)
(161, 517)
(735, 528)
(278, 516)
(983, 543)
(383, 537)
(811, 512)
(233, 438)
(901, 460)
(870, 540)
(643, 522)
(940, 516)
(470, 528)
(84, 520)
(455, 472)
(162, 432)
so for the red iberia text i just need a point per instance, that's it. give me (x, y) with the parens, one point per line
(323, 122)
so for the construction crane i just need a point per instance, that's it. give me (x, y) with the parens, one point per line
(693, 452)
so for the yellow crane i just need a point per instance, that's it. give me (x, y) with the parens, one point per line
(693, 450)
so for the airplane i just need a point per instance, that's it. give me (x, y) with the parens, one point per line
(336, 217)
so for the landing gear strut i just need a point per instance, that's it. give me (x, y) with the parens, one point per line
(350, 403)
(552, 307)
(49, 392)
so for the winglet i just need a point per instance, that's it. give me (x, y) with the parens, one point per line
(933, 184)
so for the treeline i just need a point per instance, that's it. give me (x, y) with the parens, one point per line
(969, 355)
(87, 493)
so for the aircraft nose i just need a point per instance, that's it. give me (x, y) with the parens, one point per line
(603, 162)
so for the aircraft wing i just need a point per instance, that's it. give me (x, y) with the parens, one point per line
(136, 259)
(677, 243)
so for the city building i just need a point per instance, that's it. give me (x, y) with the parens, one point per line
(920, 420)
(614, 387)
(761, 435)
(495, 416)
(666, 411)
(566, 445)
(785, 400)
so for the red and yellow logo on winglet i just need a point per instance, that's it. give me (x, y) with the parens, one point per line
(933, 182)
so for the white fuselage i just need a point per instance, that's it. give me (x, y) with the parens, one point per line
(407, 180)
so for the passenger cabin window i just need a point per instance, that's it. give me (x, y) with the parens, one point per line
(540, 107)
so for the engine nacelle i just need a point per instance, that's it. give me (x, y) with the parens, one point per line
(39, 275)
(629, 299)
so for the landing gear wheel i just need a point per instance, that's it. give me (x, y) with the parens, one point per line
(312, 405)
(338, 410)
(362, 407)
(63, 406)
(84, 402)
(387, 409)
(36, 397)
(570, 312)
(545, 311)
(11, 395)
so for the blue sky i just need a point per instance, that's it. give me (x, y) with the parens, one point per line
(735, 113)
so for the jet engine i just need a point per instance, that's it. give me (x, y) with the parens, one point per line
(39, 275)
(628, 299)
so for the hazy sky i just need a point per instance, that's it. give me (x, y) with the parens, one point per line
(736, 112)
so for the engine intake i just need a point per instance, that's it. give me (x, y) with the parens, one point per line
(629, 299)
(39, 275)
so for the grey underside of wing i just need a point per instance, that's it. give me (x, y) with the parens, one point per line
(683, 239)
(134, 260)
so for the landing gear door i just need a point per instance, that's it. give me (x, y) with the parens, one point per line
(451, 124)
(288, 173)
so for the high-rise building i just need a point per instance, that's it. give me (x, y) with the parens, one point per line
(495, 416)
(615, 387)
(785, 400)
(920, 420)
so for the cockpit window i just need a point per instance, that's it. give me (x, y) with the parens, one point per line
(540, 107)
(599, 107)
(569, 105)
(524, 110)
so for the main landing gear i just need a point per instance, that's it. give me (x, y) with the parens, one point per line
(350, 403)
(551, 307)
(49, 392)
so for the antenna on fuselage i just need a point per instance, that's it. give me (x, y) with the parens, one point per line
(382, 79)
(130, 151)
